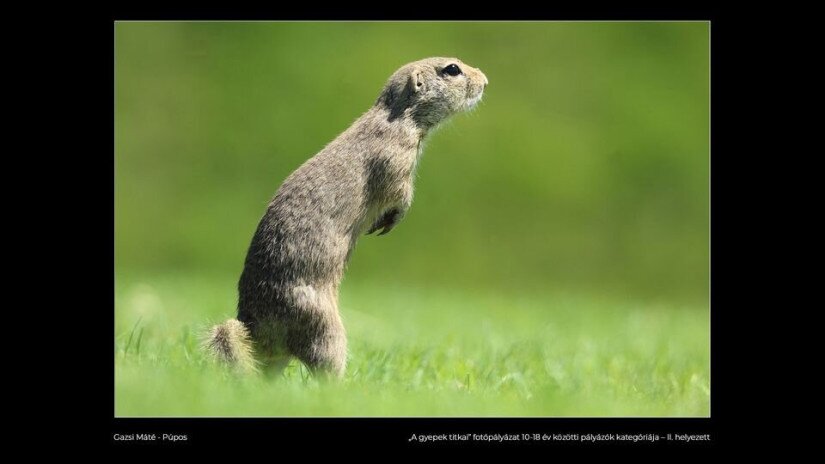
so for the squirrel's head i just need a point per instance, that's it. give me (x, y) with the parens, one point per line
(431, 90)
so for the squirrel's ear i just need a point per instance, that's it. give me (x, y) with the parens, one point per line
(416, 80)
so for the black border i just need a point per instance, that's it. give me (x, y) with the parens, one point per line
(395, 432)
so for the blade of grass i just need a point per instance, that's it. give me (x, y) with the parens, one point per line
(131, 334)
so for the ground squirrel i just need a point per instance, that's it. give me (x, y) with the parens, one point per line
(361, 182)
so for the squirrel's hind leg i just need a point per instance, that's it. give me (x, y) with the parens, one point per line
(318, 338)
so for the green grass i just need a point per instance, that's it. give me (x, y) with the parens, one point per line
(420, 352)
(585, 169)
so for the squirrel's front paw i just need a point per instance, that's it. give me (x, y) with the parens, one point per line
(387, 221)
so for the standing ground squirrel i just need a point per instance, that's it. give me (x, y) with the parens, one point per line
(361, 182)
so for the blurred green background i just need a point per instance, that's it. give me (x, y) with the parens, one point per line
(584, 169)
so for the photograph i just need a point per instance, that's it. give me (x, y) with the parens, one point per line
(412, 219)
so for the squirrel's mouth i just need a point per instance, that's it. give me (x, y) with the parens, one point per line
(473, 101)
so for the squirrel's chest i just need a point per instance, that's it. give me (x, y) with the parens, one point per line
(389, 172)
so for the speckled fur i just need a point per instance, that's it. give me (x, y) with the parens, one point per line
(360, 183)
(229, 343)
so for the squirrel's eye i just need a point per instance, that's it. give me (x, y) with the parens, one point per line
(452, 70)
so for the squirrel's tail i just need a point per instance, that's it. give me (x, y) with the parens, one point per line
(230, 344)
